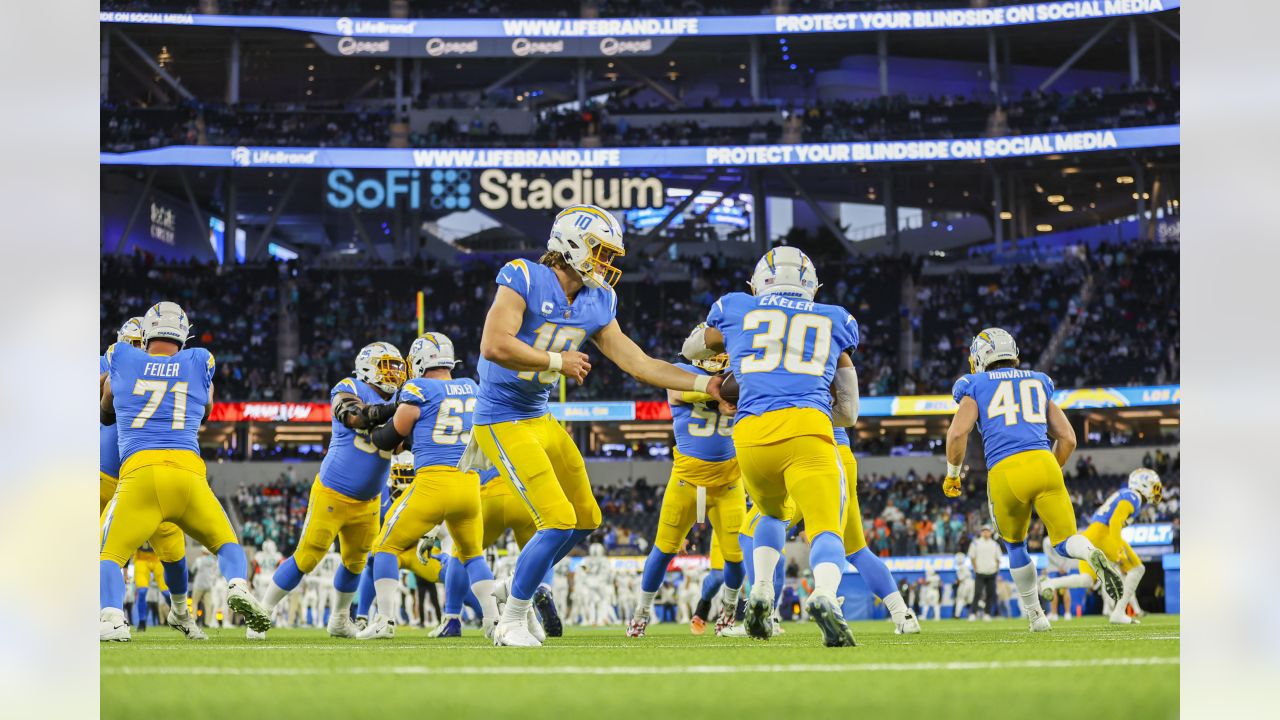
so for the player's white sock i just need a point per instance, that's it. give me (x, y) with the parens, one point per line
(1131, 580)
(896, 606)
(1077, 580)
(385, 591)
(646, 601)
(488, 604)
(344, 603)
(179, 604)
(731, 598)
(1024, 578)
(274, 595)
(765, 559)
(516, 610)
(1079, 547)
(826, 577)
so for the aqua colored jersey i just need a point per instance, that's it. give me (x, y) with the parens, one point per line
(701, 431)
(1108, 508)
(108, 437)
(1013, 410)
(487, 475)
(444, 426)
(550, 323)
(353, 465)
(842, 436)
(159, 399)
(783, 349)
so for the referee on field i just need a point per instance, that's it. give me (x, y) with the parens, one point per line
(984, 552)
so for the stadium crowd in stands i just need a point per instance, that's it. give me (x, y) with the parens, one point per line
(125, 128)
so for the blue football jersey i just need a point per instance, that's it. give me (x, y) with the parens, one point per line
(701, 431)
(443, 429)
(842, 436)
(1108, 508)
(783, 349)
(550, 323)
(487, 475)
(384, 504)
(1013, 410)
(353, 465)
(108, 436)
(159, 399)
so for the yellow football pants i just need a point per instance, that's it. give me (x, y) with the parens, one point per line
(439, 494)
(717, 557)
(726, 505)
(429, 571)
(541, 463)
(1117, 550)
(790, 514)
(1026, 480)
(503, 509)
(801, 463)
(854, 537)
(147, 567)
(331, 514)
(158, 486)
(168, 543)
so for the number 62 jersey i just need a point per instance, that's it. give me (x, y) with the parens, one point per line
(1013, 410)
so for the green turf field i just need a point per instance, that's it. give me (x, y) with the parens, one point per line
(1082, 669)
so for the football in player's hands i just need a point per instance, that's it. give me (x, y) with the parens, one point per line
(729, 389)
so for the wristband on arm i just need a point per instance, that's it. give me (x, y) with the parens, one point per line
(954, 470)
(555, 361)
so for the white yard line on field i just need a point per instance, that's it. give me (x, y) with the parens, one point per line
(646, 670)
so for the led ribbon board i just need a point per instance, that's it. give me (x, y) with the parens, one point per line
(1010, 146)
(653, 27)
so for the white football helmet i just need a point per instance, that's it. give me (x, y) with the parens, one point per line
(381, 365)
(432, 350)
(131, 332)
(589, 238)
(165, 321)
(1146, 483)
(785, 269)
(991, 345)
(401, 476)
(714, 364)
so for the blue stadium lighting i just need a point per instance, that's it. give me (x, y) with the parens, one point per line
(950, 228)
(933, 224)
(787, 57)
(793, 66)
(782, 41)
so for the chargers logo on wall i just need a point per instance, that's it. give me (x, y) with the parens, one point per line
(345, 26)
(240, 156)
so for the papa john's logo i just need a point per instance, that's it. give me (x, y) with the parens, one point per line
(240, 156)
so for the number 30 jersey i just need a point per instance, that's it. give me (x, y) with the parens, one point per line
(1013, 410)
(353, 465)
(783, 349)
(701, 431)
(550, 323)
(444, 426)
(159, 399)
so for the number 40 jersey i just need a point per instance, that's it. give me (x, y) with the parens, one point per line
(1013, 410)
(159, 399)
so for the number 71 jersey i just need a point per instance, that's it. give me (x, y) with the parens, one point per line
(159, 399)
(1013, 410)
(783, 349)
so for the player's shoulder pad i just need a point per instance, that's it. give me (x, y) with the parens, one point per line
(1048, 382)
(518, 274)
(417, 391)
(964, 386)
(345, 385)
(1132, 496)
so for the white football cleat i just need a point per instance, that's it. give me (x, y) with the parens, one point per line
(736, 630)
(1039, 622)
(341, 625)
(759, 608)
(251, 634)
(489, 625)
(1119, 617)
(1111, 581)
(242, 601)
(636, 628)
(514, 634)
(185, 625)
(502, 591)
(535, 625)
(112, 627)
(380, 629)
(777, 624)
(910, 625)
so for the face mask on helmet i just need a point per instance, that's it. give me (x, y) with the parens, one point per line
(381, 365)
(589, 239)
(401, 473)
(1146, 483)
(714, 365)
